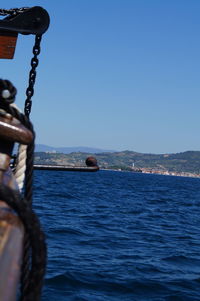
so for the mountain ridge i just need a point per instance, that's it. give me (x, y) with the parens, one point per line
(70, 149)
(188, 161)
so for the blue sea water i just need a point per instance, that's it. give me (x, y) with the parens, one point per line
(119, 236)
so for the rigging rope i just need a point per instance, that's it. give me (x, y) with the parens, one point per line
(34, 260)
(34, 278)
(20, 165)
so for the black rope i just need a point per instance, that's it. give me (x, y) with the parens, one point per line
(34, 257)
(6, 85)
(32, 290)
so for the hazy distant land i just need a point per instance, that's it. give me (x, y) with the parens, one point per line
(68, 150)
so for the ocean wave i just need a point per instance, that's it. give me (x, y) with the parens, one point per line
(67, 231)
(130, 240)
(183, 260)
(130, 290)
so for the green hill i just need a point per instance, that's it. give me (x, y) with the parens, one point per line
(179, 162)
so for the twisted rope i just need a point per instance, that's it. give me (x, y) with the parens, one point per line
(32, 290)
(20, 166)
(6, 85)
(28, 185)
(34, 260)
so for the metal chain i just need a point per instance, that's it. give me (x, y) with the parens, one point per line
(34, 61)
(32, 75)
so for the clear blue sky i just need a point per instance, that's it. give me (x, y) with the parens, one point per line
(114, 74)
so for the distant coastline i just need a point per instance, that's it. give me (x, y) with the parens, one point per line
(179, 164)
(157, 172)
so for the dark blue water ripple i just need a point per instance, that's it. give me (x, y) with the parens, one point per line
(120, 236)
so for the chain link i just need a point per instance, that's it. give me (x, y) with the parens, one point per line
(32, 75)
(34, 61)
